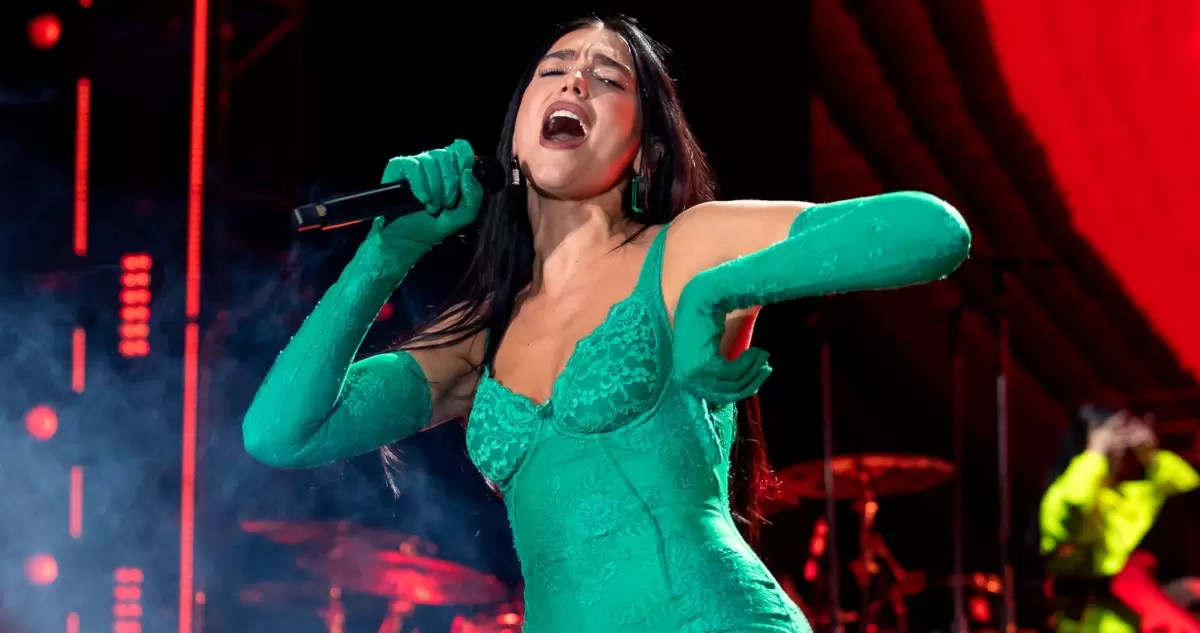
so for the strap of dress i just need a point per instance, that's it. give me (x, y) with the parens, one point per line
(650, 279)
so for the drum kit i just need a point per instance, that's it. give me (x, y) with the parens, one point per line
(885, 587)
(343, 558)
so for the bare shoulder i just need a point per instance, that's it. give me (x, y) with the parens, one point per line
(713, 233)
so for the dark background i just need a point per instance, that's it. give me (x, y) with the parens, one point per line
(814, 101)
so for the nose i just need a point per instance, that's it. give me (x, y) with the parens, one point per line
(576, 84)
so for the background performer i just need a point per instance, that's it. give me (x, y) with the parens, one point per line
(1106, 490)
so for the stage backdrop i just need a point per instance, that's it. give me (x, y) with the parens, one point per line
(1111, 88)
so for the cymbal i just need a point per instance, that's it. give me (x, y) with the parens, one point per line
(861, 476)
(326, 536)
(375, 562)
(410, 578)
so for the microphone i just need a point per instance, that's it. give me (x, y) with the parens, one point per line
(389, 201)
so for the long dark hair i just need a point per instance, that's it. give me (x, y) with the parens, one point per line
(678, 177)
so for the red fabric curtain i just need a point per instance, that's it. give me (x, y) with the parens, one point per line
(1112, 90)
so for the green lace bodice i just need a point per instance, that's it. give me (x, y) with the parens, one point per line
(616, 489)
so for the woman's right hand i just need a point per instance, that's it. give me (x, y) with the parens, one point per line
(1139, 437)
(1106, 438)
(442, 180)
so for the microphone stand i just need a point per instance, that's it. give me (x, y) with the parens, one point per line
(1002, 270)
(1003, 281)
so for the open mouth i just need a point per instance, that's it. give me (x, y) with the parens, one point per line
(564, 124)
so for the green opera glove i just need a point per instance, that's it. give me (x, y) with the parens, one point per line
(875, 243)
(442, 180)
(316, 405)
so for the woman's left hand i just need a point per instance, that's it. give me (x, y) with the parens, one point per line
(699, 330)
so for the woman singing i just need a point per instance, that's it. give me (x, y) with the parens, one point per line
(1106, 491)
(587, 345)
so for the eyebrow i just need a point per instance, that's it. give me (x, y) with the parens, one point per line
(568, 54)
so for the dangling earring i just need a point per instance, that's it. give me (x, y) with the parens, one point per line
(635, 197)
(515, 168)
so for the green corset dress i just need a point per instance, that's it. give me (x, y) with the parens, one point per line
(617, 492)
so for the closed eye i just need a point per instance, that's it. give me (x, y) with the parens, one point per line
(552, 72)
(612, 82)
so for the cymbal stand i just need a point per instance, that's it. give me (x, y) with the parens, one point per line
(958, 368)
(874, 556)
(895, 593)
(398, 611)
(335, 614)
(835, 598)
(1003, 279)
(867, 567)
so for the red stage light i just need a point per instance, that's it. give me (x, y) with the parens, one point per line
(41, 569)
(979, 609)
(44, 31)
(135, 308)
(136, 261)
(127, 603)
(83, 134)
(41, 422)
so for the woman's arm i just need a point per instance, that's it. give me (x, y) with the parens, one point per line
(318, 406)
(1171, 474)
(1071, 495)
(872, 243)
(732, 256)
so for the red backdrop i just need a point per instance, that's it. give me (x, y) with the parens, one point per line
(1112, 90)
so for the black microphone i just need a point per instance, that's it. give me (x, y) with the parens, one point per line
(389, 201)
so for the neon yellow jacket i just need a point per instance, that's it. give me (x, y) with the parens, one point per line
(1089, 529)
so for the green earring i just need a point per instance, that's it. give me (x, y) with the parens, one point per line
(633, 195)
